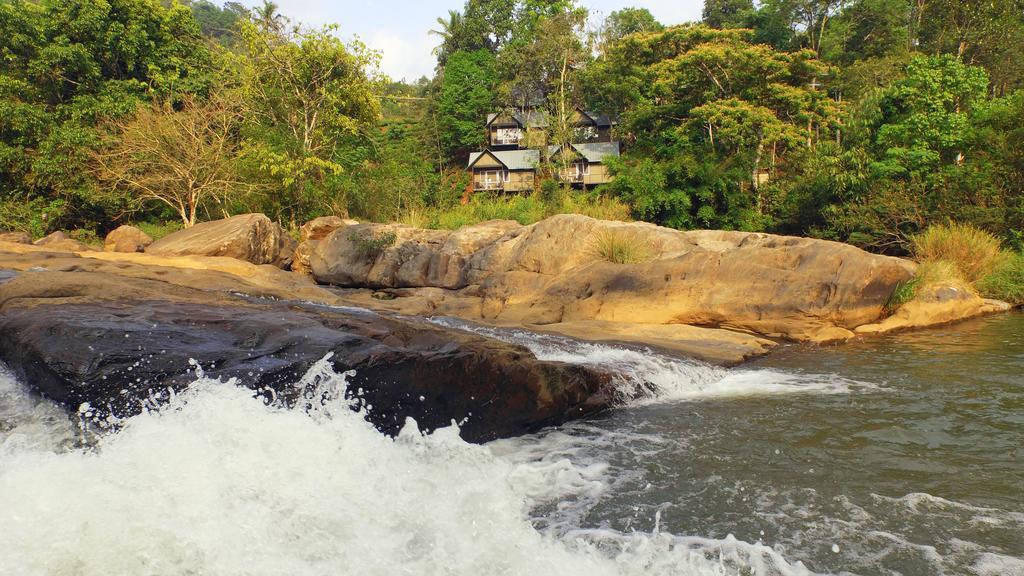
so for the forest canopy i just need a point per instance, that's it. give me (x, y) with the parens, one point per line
(857, 120)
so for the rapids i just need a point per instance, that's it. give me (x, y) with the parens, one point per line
(888, 457)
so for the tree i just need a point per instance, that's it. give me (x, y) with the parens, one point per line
(305, 93)
(182, 158)
(727, 13)
(925, 118)
(64, 66)
(869, 29)
(719, 114)
(466, 97)
(624, 22)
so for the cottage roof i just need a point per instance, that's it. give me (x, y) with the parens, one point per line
(531, 118)
(593, 152)
(510, 159)
(598, 118)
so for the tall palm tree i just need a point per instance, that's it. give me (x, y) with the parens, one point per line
(269, 18)
(446, 30)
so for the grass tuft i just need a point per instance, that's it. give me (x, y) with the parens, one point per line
(621, 246)
(974, 252)
(1006, 282)
(157, 230)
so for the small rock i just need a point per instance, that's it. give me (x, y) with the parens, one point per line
(319, 228)
(61, 241)
(127, 239)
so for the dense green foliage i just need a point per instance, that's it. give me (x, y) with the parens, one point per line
(857, 120)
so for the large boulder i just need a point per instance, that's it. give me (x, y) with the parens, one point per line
(395, 256)
(309, 235)
(558, 271)
(250, 237)
(15, 237)
(60, 241)
(119, 344)
(127, 239)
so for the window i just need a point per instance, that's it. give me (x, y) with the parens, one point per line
(585, 133)
(508, 136)
(491, 179)
(580, 169)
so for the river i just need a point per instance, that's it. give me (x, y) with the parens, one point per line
(894, 455)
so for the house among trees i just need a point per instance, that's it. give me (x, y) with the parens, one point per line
(515, 140)
(505, 170)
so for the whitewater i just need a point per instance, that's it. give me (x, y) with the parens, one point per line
(757, 471)
(218, 482)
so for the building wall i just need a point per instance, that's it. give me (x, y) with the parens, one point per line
(599, 174)
(518, 180)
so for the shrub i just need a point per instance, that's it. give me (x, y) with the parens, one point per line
(87, 237)
(621, 247)
(975, 253)
(370, 246)
(1007, 281)
(157, 230)
(600, 207)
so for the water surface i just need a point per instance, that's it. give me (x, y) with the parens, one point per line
(896, 455)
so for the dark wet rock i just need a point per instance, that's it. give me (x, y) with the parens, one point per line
(119, 344)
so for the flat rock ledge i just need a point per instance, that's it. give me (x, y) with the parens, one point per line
(118, 335)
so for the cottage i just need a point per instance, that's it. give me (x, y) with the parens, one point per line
(523, 129)
(527, 128)
(591, 126)
(504, 170)
(583, 164)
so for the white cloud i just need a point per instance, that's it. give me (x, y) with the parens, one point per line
(403, 56)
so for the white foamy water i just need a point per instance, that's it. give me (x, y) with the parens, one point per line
(646, 376)
(218, 483)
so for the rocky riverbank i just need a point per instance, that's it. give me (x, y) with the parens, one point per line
(118, 328)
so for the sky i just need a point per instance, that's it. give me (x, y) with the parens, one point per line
(399, 28)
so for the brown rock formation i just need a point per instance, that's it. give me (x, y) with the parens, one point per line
(552, 272)
(250, 237)
(61, 242)
(120, 338)
(15, 237)
(127, 239)
(310, 234)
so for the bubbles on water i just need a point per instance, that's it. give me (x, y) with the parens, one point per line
(215, 481)
(644, 376)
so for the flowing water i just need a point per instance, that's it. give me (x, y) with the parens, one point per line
(897, 455)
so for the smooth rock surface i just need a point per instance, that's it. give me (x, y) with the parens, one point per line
(62, 242)
(310, 234)
(933, 306)
(127, 239)
(249, 237)
(552, 272)
(415, 258)
(118, 343)
(15, 237)
(320, 228)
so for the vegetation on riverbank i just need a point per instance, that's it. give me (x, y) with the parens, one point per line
(865, 121)
(961, 256)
